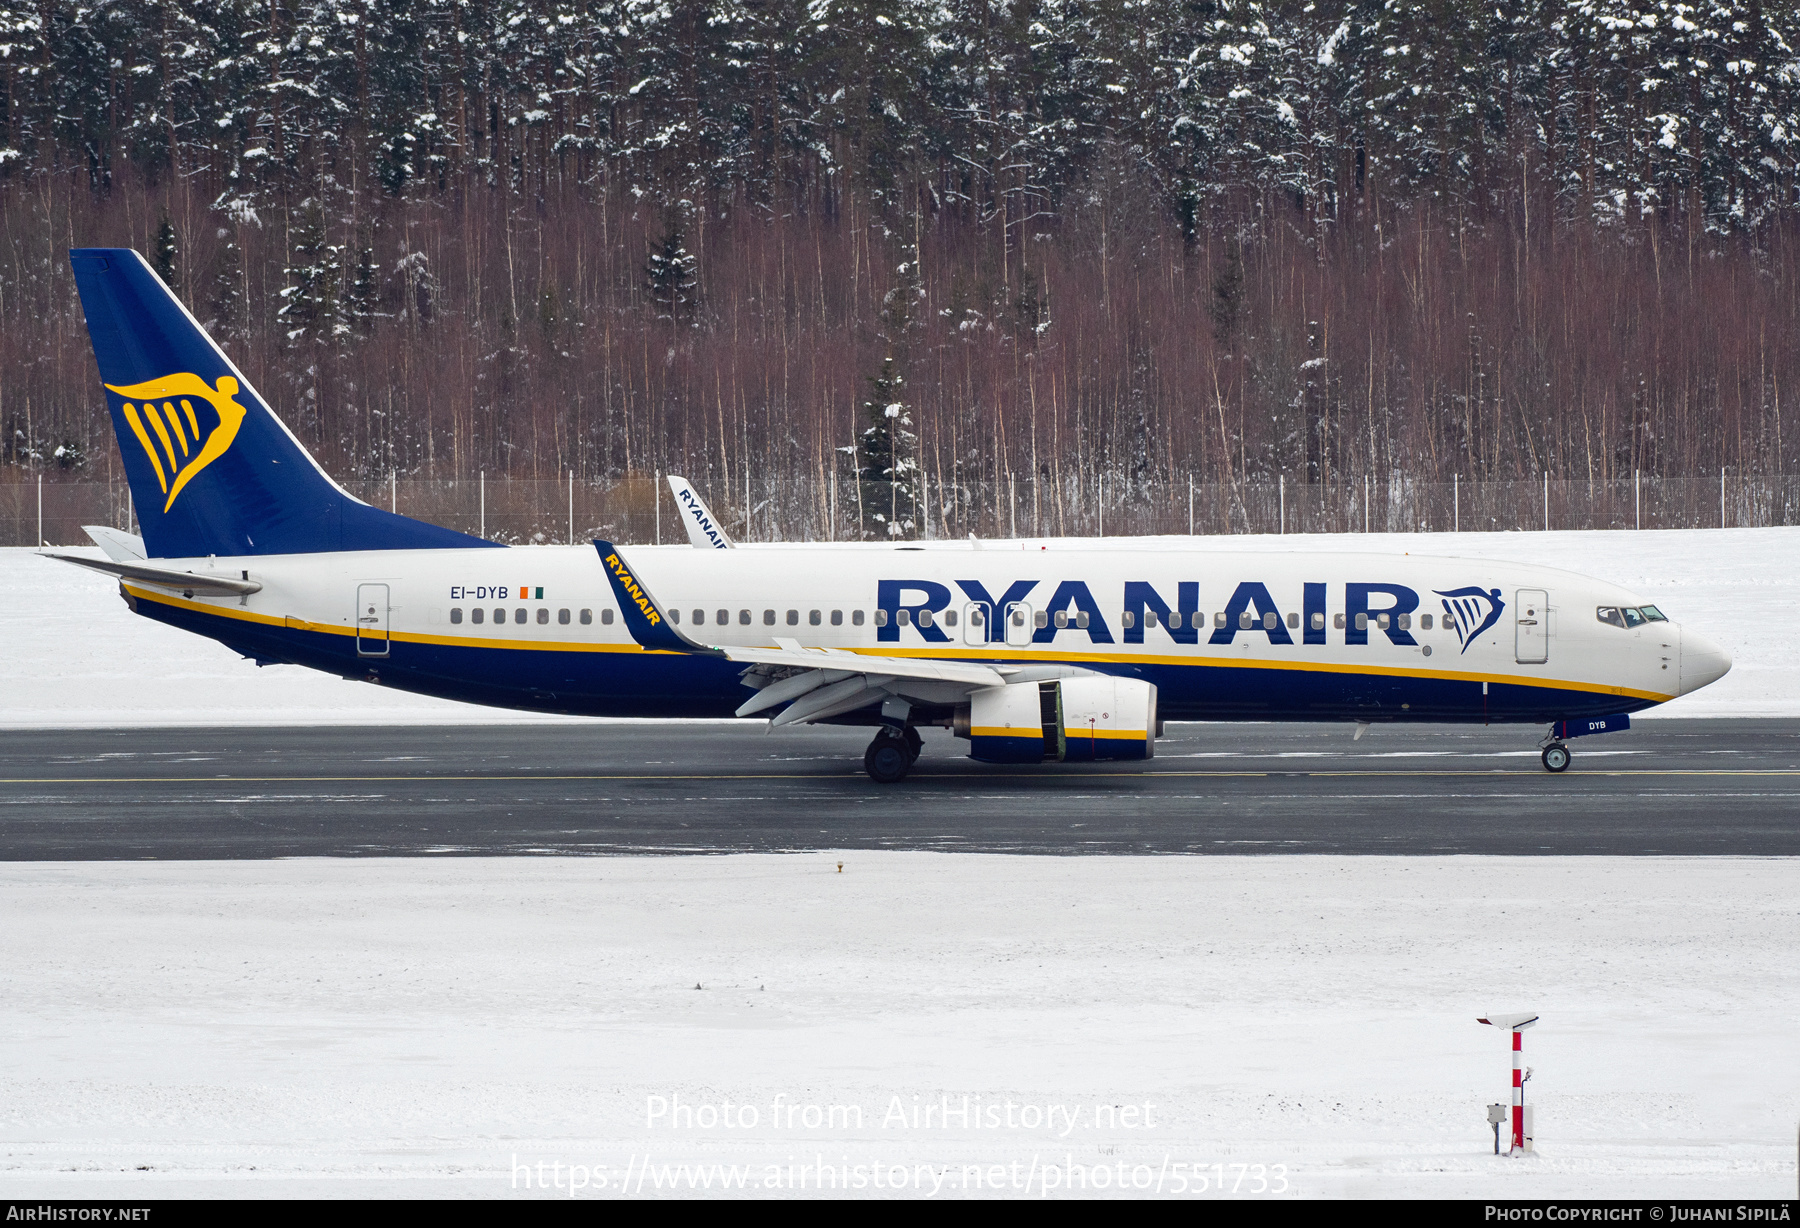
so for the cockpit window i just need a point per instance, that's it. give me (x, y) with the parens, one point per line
(1609, 614)
(1652, 614)
(1633, 618)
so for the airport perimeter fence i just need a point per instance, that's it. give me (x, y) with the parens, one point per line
(40, 510)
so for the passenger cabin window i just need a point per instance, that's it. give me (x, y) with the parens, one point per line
(1269, 621)
(499, 617)
(837, 618)
(978, 619)
(1318, 621)
(1219, 619)
(1149, 618)
(856, 618)
(1337, 621)
(521, 615)
(723, 617)
(476, 615)
(793, 619)
(1081, 620)
(924, 618)
(903, 617)
(949, 618)
(1362, 622)
(699, 618)
(1062, 618)
(455, 615)
(606, 617)
(1042, 619)
(743, 618)
(813, 618)
(674, 616)
(1381, 620)
(562, 617)
(1244, 620)
(543, 615)
(1425, 621)
(587, 616)
(1129, 620)
(1293, 620)
(1405, 621)
(768, 618)
(880, 618)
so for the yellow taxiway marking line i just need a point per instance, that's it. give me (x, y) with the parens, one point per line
(999, 771)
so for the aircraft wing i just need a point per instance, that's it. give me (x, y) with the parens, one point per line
(856, 662)
(816, 682)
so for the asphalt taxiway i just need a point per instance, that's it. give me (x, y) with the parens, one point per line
(1667, 787)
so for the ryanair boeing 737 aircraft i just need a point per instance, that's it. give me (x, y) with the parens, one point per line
(1064, 653)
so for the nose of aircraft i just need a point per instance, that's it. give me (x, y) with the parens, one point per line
(1702, 662)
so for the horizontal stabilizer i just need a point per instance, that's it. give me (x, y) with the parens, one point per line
(188, 582)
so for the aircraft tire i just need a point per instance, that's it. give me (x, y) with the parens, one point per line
(1556, 758)
(915, 745)
(887, 760)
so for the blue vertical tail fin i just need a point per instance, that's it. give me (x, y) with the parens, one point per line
(212, 469)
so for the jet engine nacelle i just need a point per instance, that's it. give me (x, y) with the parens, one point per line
(1068, 719)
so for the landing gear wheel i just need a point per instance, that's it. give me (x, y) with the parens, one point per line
(1556, 757)
(915, 745)
(888, 759)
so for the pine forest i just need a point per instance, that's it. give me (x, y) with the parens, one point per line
(1144, 242)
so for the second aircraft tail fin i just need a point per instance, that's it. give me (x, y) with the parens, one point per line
(703, 528)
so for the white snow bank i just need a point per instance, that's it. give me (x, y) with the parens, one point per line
(418, 1027)
(74, 656)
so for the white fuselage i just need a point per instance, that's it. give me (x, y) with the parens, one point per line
(1328, 636)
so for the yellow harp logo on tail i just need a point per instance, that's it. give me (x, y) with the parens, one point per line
(178, 439)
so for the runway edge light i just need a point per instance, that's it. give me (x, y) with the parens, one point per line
(1516, 1023)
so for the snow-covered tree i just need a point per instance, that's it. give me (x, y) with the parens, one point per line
(887, 466)
(670, 272)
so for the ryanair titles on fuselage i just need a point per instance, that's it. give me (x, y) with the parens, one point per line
(1468, 611)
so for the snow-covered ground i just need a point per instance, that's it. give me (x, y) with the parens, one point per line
(420, 1027)
(1737, 586)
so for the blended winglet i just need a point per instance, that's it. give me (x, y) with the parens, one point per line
(644, 618)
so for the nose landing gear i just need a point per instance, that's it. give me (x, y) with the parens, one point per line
(891, 755)
(1556, 757)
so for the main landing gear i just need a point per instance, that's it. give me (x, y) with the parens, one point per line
(891, 755)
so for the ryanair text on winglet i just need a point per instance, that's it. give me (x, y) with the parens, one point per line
(631, 586)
